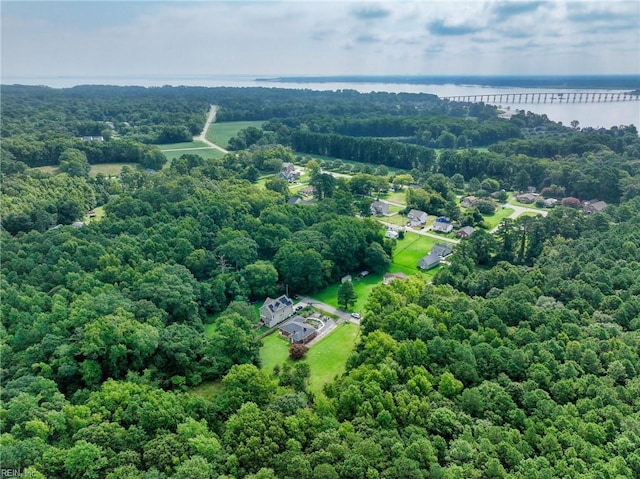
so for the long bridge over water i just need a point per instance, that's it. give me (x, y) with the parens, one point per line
(549, 97)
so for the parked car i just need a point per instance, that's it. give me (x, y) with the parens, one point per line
(355, 315)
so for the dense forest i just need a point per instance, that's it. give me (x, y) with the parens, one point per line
(521, 359)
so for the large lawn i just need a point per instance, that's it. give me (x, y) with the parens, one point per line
(205, 152)
(405, 260)
(410, 249)
(399, 197)
(109, 169)
(326, 358)
(274, 350)
(363, 287)
(221, 133)
(495, 219)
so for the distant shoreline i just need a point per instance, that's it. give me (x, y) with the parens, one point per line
(609, 82)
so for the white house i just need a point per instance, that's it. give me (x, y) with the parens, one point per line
(274, 311)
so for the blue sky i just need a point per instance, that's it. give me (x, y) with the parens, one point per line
(122, 38)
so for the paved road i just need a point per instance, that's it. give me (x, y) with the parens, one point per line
(329, 309)
(202, 137)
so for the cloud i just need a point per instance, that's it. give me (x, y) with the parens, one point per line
(370, 13)
(367, 39)
(440, 28)
(505, 10)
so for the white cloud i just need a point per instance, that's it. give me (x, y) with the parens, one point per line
(316, 38)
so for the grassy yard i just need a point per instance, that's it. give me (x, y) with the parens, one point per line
(513, 201)
(327, 358)
(405, 260)
(99, 211)
(398, 220)
(109, 169)
(48, 169)
(363, 287)
(221, 133)
(274, 350)
(206, 153)
(395, 197)
(496, 218)
(185, 145)
(410, 249)
(207, 390)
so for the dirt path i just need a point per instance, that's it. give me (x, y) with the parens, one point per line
(211, 117)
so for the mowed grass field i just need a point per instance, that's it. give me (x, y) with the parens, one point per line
(327, 358)
(405, 260)
(410, 249)
(176, 150)
(109, 169)
(363, 287)
(221, 133)
(496, 218)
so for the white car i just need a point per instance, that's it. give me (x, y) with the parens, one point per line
(355, 315)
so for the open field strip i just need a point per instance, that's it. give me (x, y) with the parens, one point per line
(220, 133)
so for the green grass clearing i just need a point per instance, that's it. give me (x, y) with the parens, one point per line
(207, 390)
(274, 350)
(395, 197)
(410, 249)
(54, 170)
(221, 133)
(207, 154)
(109, 169)
(99, 211)
(496, 218)
(185, 145)
(328, 357)
(362, 286)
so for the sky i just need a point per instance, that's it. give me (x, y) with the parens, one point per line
(279, 38)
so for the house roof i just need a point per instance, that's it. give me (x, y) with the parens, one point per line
(297, 329)
(380, 207)
(466, 230)
(441, 249)
(429, 261)
(274, 305)
(417, 215)
(596, 205)
(294, 200)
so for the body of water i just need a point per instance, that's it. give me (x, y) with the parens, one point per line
(588, 114)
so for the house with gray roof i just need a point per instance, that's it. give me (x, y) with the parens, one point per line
(417, 218)
(378, 208)
(274, 311)
(442, 225)
(289, 172)
(297, 331)
(593, 206)
(437, 253)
